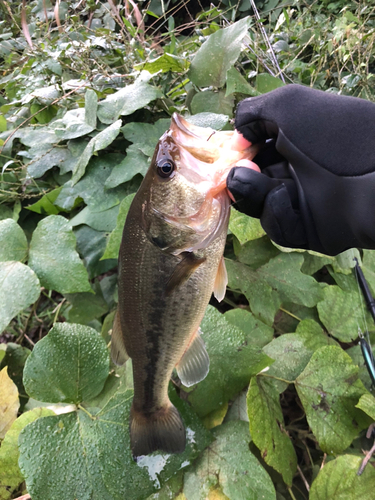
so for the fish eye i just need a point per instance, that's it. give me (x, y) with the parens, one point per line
(165, 168)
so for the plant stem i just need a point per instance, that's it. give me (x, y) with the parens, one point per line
(277, 378)
(291, 493)
(85, 411)
(290, 314)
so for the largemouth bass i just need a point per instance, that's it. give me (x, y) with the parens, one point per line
(171, 259)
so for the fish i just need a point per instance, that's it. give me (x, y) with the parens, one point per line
(170, 262)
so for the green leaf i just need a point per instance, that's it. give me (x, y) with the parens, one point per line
(266, 83)
(13, 242)
(10, 474)
(3, 123)
(100, 141)
(329, 389)
(217, 55)
(234, 358)
(91, 106)
(91, 245)
(368, 268)
(338, 480)
(54, 259)
(46, 205)
(341, 313)
(94, 460)
(134, 163)
(15, 358)
(260, 333)
(209, 101)
(69, 365)
(114, 241)
(19, 288)
(126, 101)
(85, 307)
(367, 404)
(245, 228)
(344, 262)
(92, 186)
(100, 221)
(213, 120)
(9, 402)
(72, 125)
(145, 135)
(43, 158)
(228, 469)
(267, 427)
(166, 62)
(237, 83)
(256, 253)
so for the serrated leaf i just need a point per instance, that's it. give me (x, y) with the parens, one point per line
(237, 83)
(338, 480)
(10, 474)
(91, 106)
(245, 228)
(228, 466)
(53, 257)
(91, 188)
(367, 404)
(217, 55)
(19, 288)
(46, 205)
(13, 242)
(209, 100)
(233, 360)
(100, 141)
(114, 241)
(341, 313)
(126, 101)
(94, 460)
(329, 389)
(267, 427)
(9, 402)
(69, 365)
(266, 82)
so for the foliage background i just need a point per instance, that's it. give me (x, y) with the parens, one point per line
(86, 90)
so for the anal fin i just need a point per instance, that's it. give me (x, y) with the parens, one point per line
(221, 281)
(195, 363)
(118, 351)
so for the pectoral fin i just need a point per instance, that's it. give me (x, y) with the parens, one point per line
(195, 363)
(221, 281)
(118, 352)
(184, 269)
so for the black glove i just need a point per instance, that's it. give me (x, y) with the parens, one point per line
(316, 189)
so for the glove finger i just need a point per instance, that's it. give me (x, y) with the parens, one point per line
(250, 189)
(281, 221)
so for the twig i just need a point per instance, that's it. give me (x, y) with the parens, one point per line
(307, 486)
(366, 459)
(29, 340)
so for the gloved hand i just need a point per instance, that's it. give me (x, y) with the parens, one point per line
(316, 185)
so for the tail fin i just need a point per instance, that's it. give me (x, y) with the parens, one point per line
(162, 430)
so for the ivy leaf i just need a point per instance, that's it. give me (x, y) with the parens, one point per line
(85, 307)
(72, 125)
(45, 157)
(69, 365)
(54, 259)
(341, 313)
(10, 474)
(9, 402)
(100, 221)
(367, 404)
(166, 62)
(126, 101)
(338, 479)
(208, 100)
(100, 141)
(13, 242)
(245, 228)
(146, 135)
(228, 469)
(215, 121)
(233, 360)
(267, 427)
(91, 188)
(217, 55)
(46, 205)
(114, 241)
(237, 83)
(266, 83)
(19, 288)
(91, 106)
(329, 389)
(134, 163)
(94, 460)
